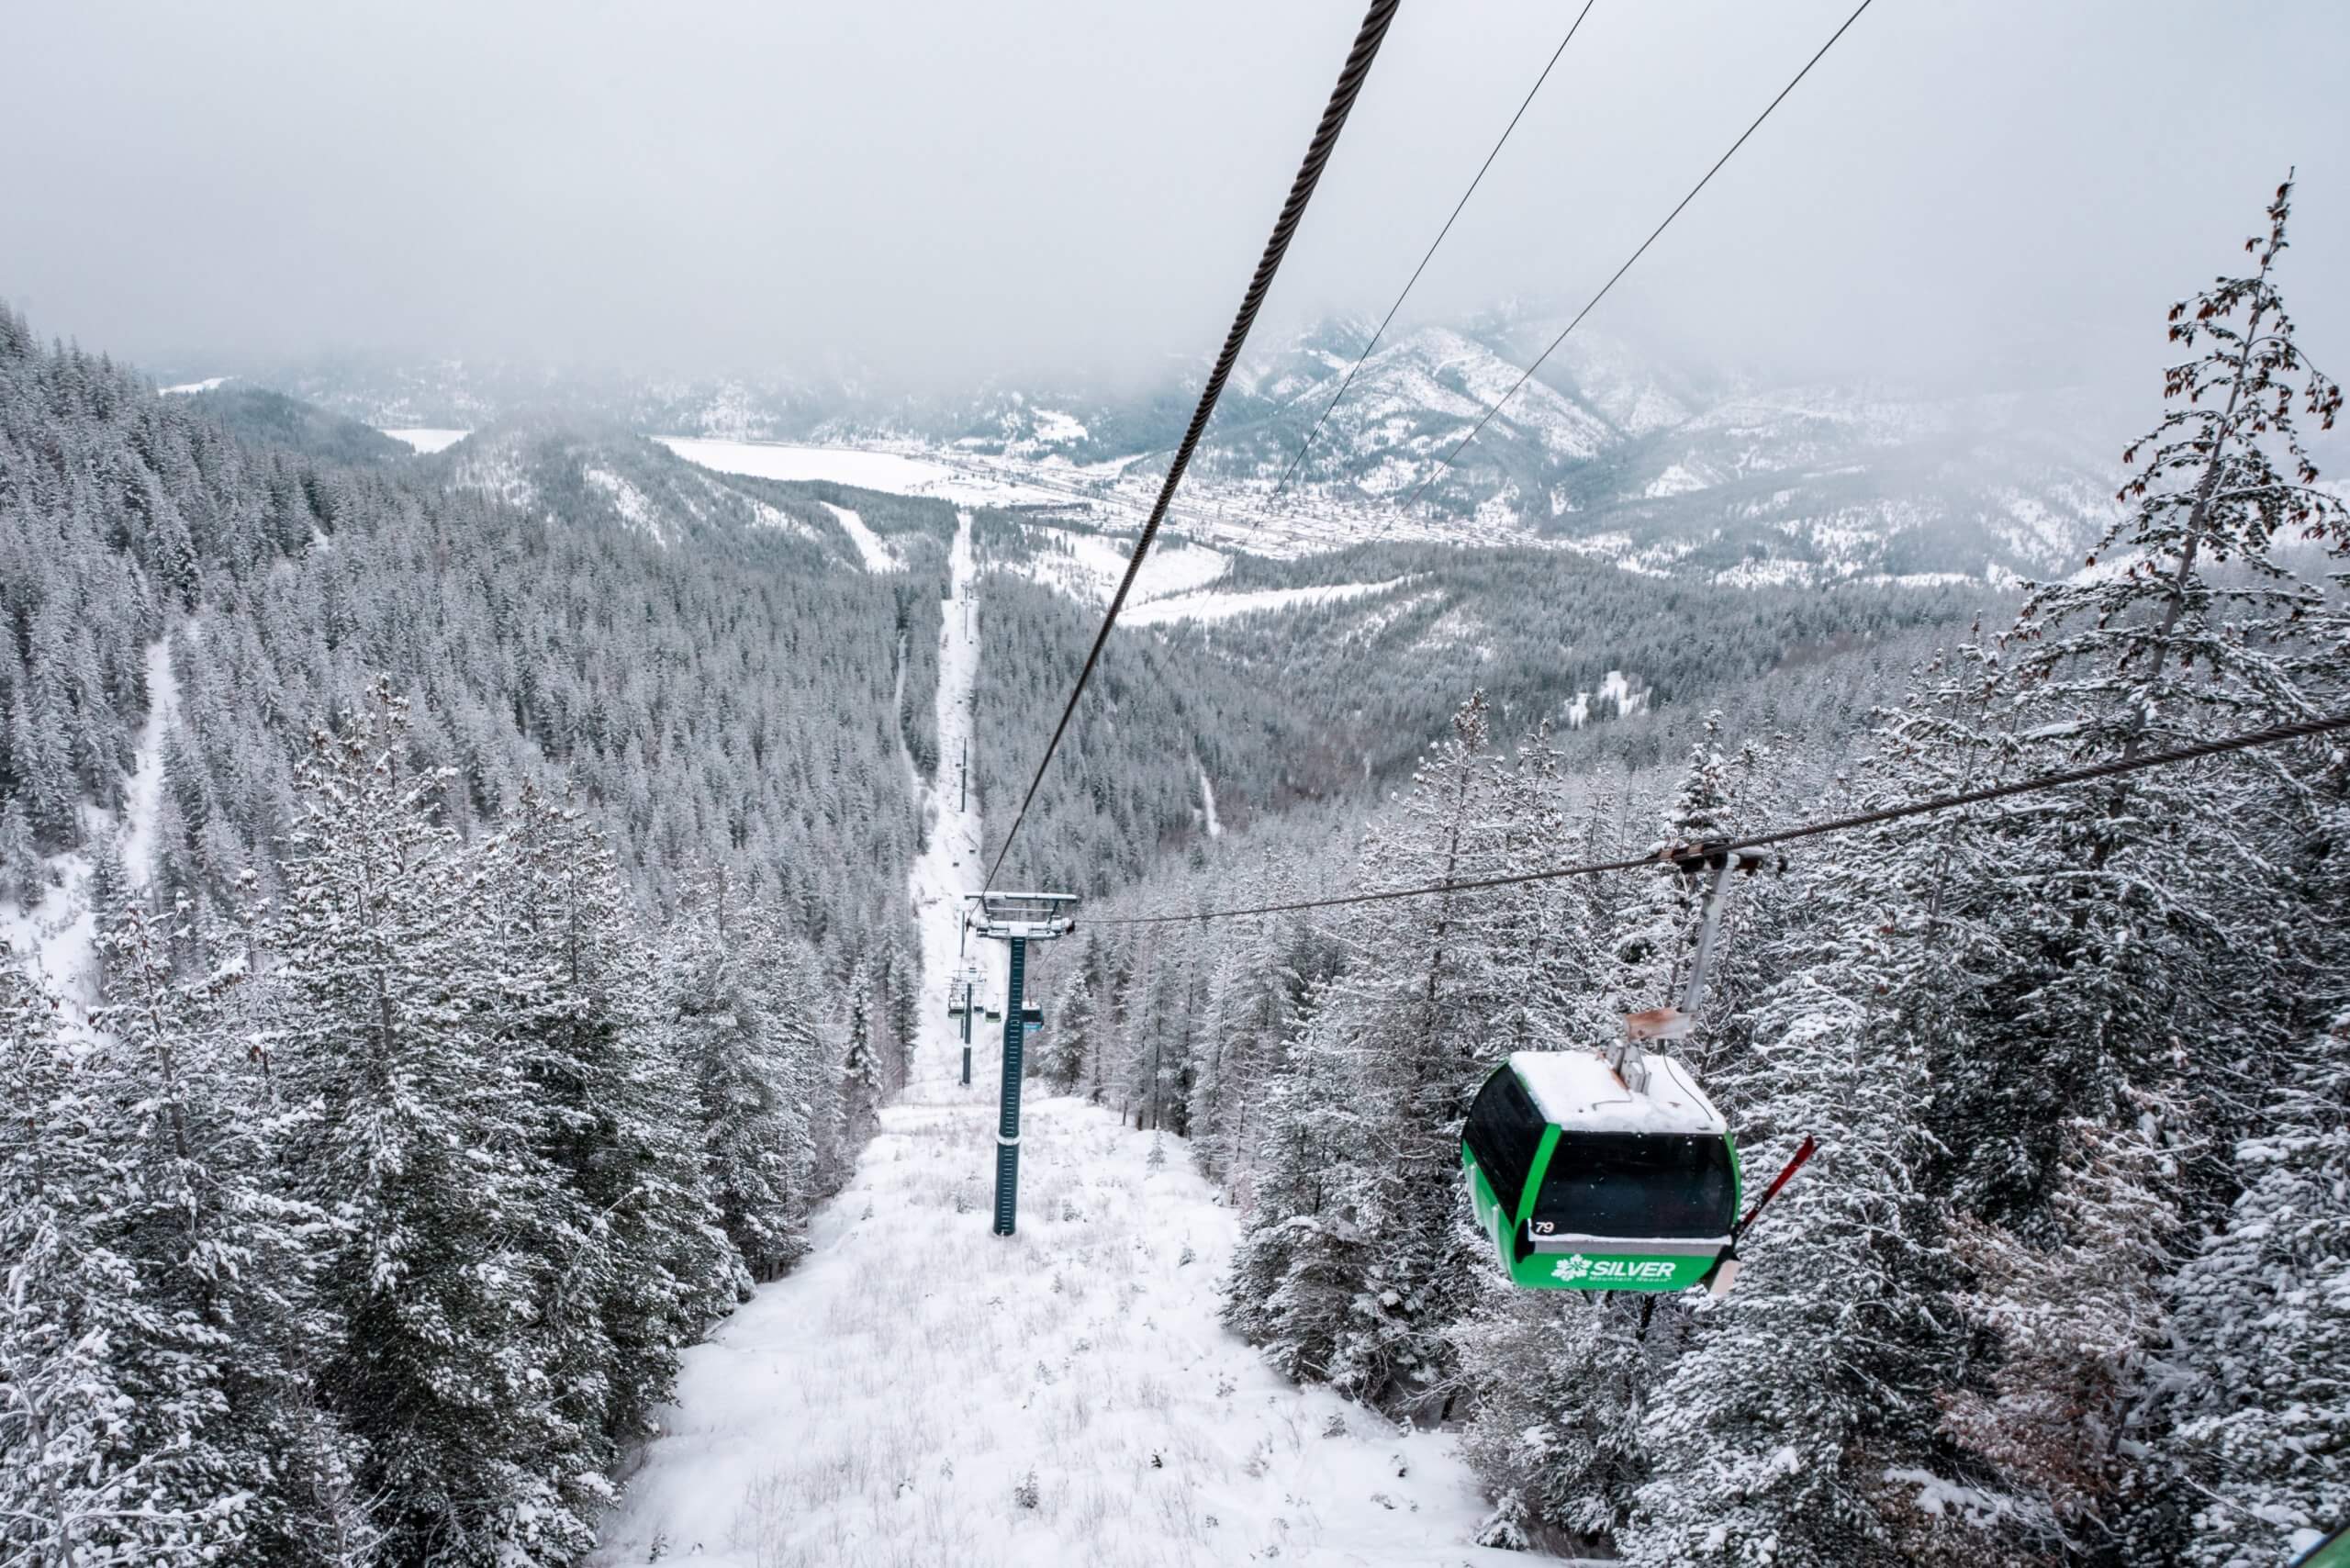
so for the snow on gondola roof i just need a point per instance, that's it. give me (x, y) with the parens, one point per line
(1581, 1092)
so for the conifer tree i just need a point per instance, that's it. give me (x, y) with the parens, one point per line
(1771, 1433)
(73, 1486)
(735, 1010)
(415, 1133)
(225, 1416)
(631, 1240)
(1295, 1267)
(1070, 1028)
(22, 878)
(863, 1083)
(2263, 1317)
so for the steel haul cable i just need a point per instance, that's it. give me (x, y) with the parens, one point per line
(1385, 321)
(1449, 457)
(1301, 191)
(2275, 735)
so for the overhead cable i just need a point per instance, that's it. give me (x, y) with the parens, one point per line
(1301, 191)
(2275, 735)
(1363, 358)
(1528, 374)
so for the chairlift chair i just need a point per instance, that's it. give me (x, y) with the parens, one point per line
(963, 988)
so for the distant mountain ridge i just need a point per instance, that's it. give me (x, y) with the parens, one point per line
(1611, 452)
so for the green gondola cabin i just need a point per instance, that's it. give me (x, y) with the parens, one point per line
(1586, 1183)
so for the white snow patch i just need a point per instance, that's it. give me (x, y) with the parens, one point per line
(897, 473)
(635, 509)
(1225, 606)
(1057, 428)
(1940, 1498)
(1677, 480)
(1579, 1089)
(1088, 566)
(877, 557)
(765, 516)
(430, 440)
(1616, 688)
(56, 939)
(143, 794)
(210, 384)
(1207, 804)
(883, 1402)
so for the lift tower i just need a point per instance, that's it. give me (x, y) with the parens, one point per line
(1018, 919)
(962, 1001)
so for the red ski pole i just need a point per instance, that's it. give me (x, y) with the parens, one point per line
(1810, 1144)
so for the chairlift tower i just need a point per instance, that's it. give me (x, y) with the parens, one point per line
(962, 1000)
(1017, 919)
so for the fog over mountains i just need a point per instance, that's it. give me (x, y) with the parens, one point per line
(1610, 450)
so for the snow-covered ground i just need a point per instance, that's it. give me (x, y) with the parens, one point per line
(57, 938)
(1224, 606)
(210, 384)
(894, 472)
(876, 556)
(884, 1403)
(1208, 511)
(922, 1391)
(430, 440)
(1088, 566)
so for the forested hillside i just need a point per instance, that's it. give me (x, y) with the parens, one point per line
(2068, 1280)
(464, 936)
(1335, 701)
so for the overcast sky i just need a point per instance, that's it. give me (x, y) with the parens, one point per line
(2004, 191)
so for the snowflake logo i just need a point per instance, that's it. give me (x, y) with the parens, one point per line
(1573, 1268)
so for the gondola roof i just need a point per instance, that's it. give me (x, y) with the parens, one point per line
(1581, 1092)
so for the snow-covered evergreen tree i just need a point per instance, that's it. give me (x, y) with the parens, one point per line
(1298, 1264)
(2262, 1319)
(415, 1133)
(738, 1010)
(1561, 1383)
(634, 1244)
(1777, 1431)
(864, 1071)
(226, 1420)
(76, 1329)
(1070, 1029)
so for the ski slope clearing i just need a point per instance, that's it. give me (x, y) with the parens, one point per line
(56, 938)
(876, 556)
(430, 440)
(1088, 566)
(923, 1391)
(1225, 606)
(890, 1400)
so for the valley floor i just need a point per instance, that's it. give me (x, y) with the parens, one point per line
(921, 1391)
